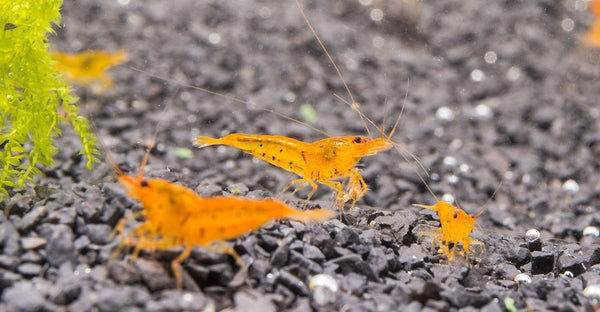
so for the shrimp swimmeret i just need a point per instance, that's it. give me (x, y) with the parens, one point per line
(177, 216)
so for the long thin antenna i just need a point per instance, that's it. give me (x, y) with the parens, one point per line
(229, 97)
(491, 197)
(339, 73)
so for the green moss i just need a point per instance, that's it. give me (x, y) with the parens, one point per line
(32, 93)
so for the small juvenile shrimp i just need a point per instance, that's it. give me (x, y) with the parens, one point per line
(455, 227)
(88, 68)
(177, 216)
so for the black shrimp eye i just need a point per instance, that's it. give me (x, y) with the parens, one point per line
(357, 140)
(455, 215)
(144, 183)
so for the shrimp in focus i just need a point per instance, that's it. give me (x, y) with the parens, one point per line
(177, 216)
(455, 228)
(321, 161)
(88, 68)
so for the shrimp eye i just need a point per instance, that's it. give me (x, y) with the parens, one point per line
(357, 140)
(455, 215)
(144, 183)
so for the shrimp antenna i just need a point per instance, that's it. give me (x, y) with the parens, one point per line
(491, 197)
(354, 104)
(111, 159)
(229, 97)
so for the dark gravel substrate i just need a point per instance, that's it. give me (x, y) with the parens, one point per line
(499, 90)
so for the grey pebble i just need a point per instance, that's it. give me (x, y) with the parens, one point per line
(24, 296)
(98, 233)
(32, 218)
(293, 283)
(313, 253)
(9, 262)
(30, 243)
(154, 275)
(249, 300)
(542, 262)
(60, 243)
(304, 262)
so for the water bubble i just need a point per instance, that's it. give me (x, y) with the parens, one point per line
(438, 132)
(444, 113)
(483, 111)
(477, 75)
(365, 2)
(567, 24)
(490, 57)
(568, 274)
(452, 179)
(376, 15)
(570, 186)
(378, 41)
(214, 38)
(290, 96)
(464, 168)
(514, 73)
(123, 2)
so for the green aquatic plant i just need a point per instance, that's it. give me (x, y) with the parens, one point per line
(35, 99)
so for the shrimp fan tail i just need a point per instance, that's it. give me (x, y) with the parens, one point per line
(318, 215)
(202, 141)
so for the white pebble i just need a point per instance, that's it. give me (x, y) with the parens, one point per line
(444, 113)
(376, 15)
(591, 230)
(214, 38)
(568, 274)
(592, 291)
(450, 161)
(532, 234)
(452, 179)
(483, 111)
(323, 280)
(449, 198)
(570, 186)
(523, 278)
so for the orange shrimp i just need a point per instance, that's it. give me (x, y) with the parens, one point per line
(592, 37)
(88, 68)
(455, 227)
(177, 216)
(321, 161)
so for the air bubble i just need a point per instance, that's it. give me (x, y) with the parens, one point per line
(532, 234)
(591, 230)
(214, 38)
(523, 278)
(449, 198)
(477, 75)
(567, 24)
(483, 111)
(444, 113)
(570, 186)
(514, 73)
(376, 15)
(490, 57)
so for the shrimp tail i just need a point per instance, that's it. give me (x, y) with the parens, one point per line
(425, 206)
(202, 141)
(318, 215)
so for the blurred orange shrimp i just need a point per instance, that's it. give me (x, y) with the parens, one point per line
(592, 36)
(176, 216)
(88, 68)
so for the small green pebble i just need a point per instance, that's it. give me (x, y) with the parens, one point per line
(184, 153)
(308, 113)
(509, 304)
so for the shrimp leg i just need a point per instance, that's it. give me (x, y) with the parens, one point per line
(175, 264)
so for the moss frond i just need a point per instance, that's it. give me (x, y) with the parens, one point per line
(32, 93)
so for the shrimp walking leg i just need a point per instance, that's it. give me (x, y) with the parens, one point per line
(175, 264)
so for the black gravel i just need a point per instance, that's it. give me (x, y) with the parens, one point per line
(499, 91)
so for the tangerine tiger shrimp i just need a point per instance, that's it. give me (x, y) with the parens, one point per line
(176, 216)
(323, 161)
(456, 226)
(88, 68)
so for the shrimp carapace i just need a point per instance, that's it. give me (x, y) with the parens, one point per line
(88, 68)
(176, 216)
(322, 161)
(455, 228)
